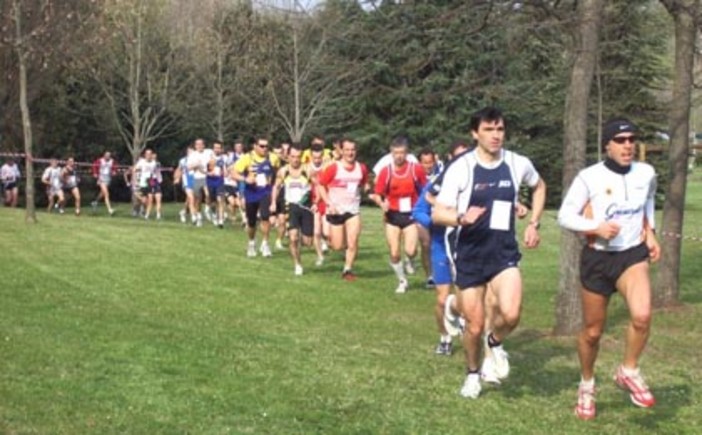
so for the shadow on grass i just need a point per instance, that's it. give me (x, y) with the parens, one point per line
(531, 352)
(670, 399)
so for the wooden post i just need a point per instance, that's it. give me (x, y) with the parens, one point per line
(642, 152)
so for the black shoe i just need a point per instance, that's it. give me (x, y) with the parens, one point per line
(445, 349)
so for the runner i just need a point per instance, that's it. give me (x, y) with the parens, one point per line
(104, 168)
(54, 189)
(69, 182)
(198, 161)
(279, 216)
(215, 184)
(155, 184)
(397, 189)
(10, 175)
(428, 162)
(231, 188)
(340, 188)
(478, 197)
(440, 263)
(183, 176)
(298, 201)
(257, 169)
(321, 226)
(144, 172)
(613, 204)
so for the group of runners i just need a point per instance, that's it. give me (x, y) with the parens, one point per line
(462, 215)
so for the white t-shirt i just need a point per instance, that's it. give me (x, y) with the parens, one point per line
(146, 170)
(198, 161)
(52, 176)
(387, 159)
(9, 173)
(598, 194)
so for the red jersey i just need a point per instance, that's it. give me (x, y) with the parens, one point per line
(401, 186)
(344, 185)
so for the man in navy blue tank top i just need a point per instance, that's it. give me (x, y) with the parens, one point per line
(478, 199)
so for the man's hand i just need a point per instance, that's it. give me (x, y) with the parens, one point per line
(471, 215)
(531, 236)
(607, 230)
(654, 249)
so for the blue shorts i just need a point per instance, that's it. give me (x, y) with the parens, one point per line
(441, 270)
(214, 185)
(188, 181)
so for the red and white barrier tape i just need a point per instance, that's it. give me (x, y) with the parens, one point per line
(680, 236)
(120, 168)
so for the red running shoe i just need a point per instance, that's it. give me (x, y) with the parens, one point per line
(636, 386)
(585, 409)
(348, 275)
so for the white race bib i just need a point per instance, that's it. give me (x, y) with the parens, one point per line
(405, 204)
(500, 215)
(261, 180)
(352, 187)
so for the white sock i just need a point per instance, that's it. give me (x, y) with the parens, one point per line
(630, 372)
(589, 383)
(445, 338)
(399, 271)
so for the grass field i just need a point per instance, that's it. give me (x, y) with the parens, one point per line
(114, 325)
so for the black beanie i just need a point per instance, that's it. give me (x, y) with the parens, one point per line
(615, 127)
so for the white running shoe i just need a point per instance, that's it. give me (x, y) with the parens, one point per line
(488, 372)
(319, 262)
(183, 217)
(402, 287)
(452, 322)
(409, 267)
(279, 245)
(500, 358)
(298, 270)
(471, 387)
(158, 216)
(251, 250)
(266, 250)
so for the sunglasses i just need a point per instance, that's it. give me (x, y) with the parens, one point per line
(624, 139)
(262, 146)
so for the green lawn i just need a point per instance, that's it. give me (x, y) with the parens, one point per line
(125, 326)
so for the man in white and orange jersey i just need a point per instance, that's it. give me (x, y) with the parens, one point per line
(397, 189)
(104, 168)
(340, 188)
(612, 203)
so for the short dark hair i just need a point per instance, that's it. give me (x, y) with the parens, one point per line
(426, 152)
(295, 146)
(486, 114)
(345, 139)
(400, 141)
(458, 143)
(317, 147)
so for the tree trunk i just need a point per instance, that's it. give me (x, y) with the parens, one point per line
(20, 48)
(568, 306)
(666, 290)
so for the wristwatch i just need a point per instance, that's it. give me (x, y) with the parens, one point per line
(536, 224)
(459, 217)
